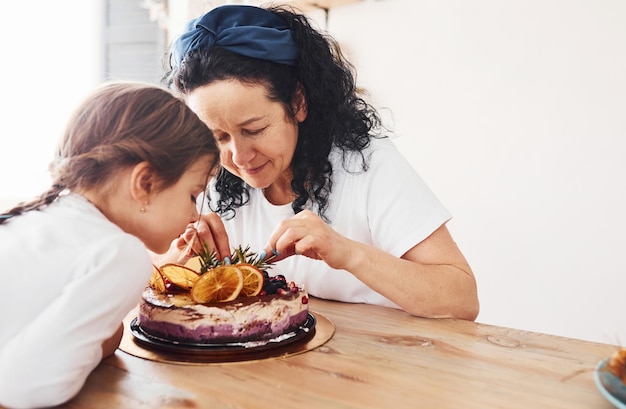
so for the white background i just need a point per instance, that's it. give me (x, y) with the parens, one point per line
(515, 114)
(49, 53)
(512, 111)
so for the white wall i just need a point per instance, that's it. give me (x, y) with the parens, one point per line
(49, 62)
(515, 114)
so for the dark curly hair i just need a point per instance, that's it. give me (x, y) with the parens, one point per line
(336, 115)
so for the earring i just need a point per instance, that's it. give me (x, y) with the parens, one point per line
(143, 208)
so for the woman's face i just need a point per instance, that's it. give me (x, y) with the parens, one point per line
(255, 135)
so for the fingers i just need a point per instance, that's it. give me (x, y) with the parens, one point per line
(173, 255)
(281, 242)
(307, 247)
(303, 234)
(187, 245)
(210, 229)
(189, 242)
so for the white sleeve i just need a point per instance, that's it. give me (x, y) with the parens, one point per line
(402, 209)
(47, 362)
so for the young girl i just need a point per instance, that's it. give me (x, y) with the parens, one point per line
(75, 260)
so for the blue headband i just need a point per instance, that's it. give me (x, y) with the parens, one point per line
(245, 30)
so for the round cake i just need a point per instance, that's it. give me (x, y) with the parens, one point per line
(176, 317)
(207, 302)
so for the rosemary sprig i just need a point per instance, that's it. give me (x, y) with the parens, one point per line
(208, 258)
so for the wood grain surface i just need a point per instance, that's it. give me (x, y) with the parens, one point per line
(377, 358)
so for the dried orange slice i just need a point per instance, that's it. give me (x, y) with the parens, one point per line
(180, 276)
(221, 284)
(195, 264)
(252, 280)
(157, 283)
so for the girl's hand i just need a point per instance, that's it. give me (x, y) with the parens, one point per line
(111, 344)
(210, 230)
(308, 235)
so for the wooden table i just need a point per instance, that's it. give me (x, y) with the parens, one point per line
(377, 358)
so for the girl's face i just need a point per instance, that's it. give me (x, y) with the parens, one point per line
(255, 135)
(170, 210)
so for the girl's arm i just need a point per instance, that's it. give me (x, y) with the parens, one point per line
(110, 345)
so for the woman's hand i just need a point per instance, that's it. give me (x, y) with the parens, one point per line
(209, 229)
(308, 235)
(432, 279)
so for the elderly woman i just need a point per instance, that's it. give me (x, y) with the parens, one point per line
(307, 172)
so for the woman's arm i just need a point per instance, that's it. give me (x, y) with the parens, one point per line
(432, 279)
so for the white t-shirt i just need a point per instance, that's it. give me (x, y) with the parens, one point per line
(68, 278)
(388, 206)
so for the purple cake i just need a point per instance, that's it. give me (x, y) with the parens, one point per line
(176, 317)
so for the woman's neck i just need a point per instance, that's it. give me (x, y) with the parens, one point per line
(279, 192)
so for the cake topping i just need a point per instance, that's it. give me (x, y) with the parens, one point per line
(252, 280)
(157, 281)
(180, 276)
(220, 284)
(209, 280)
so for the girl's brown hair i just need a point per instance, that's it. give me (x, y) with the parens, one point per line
(120, 125)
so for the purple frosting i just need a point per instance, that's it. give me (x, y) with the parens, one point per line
(222, 333)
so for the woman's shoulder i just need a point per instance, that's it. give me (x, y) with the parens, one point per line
(383, 146)
(378, 150)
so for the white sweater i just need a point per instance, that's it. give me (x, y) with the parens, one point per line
(68, 277)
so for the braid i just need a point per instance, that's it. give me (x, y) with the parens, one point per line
(39, 202)
(59, 170)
